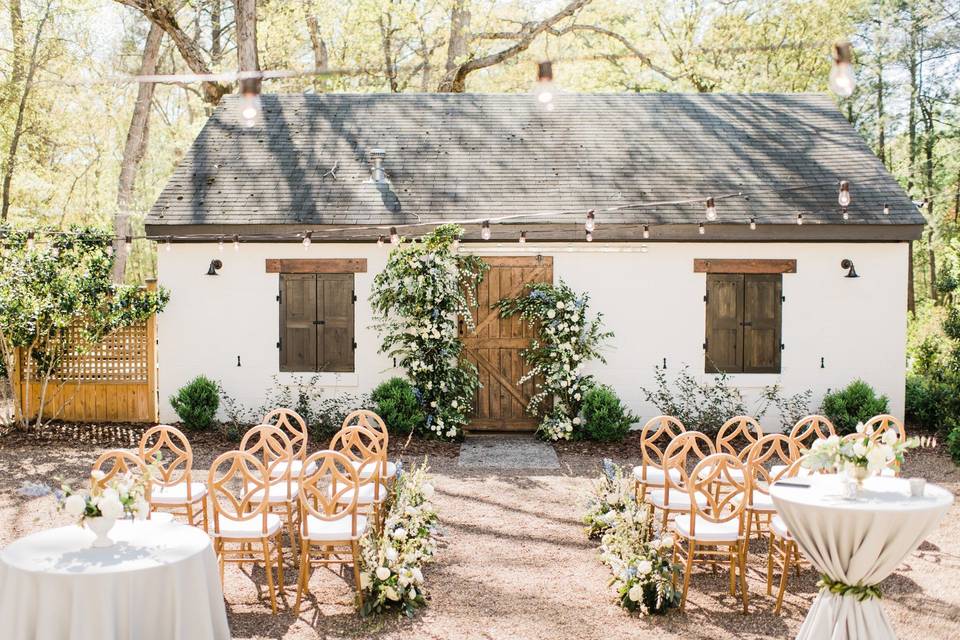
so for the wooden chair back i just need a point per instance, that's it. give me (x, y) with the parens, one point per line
(362, 447)
(772, 450)
(322, 492)
(271, 447)
(116, 462)
(709, 505)
(293, 425)
(651, 452)
(687, 448)
(234, 478)
(167, 447)
(882, 423)
(742, 427)
(812, 427)
(370, 420)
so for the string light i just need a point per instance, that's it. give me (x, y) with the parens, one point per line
(128, 245)
(799, 219)
(846, 214)
(643, 248)
(455, 245)
(485, 230)
(843, 197)
(379, 241)
(701, 229)
(394, 236)
(30, 241)
(646, 231)
(220, 244)
(250, 103)
(753, 224)
(841, 80)
(886, 209)
(711, 210)
(307, 239)
(236, 242)
(591, 223)
(589, 236)
(168, 245)
(523, 237)
(543, 89)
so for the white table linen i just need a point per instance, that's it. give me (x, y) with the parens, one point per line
(858, 541)
(158, 582)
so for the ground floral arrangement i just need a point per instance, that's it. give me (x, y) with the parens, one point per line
(391, 574)
(416, 300)
(644, 575)
(566, 338)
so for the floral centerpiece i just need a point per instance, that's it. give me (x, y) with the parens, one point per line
(391, 575)
(566, 339)
(860, 456)
(416, 301)
(103, 503)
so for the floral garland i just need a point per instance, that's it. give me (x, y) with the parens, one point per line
(391, 575)
(859, 591)
(644, 575)
(566, 339)
(416, 300)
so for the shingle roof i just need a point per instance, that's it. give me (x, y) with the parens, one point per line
(451, 156)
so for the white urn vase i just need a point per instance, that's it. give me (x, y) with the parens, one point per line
(101, 526)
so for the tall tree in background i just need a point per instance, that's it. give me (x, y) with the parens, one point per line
(248, 58)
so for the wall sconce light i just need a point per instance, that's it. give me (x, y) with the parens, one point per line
(214, 265)
(847, 263)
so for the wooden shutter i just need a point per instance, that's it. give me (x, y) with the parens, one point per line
(761, 323)
(335, 314)
(298, 333)
(724, 323)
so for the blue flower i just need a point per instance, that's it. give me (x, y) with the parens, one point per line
(609, 469)
(34, 489)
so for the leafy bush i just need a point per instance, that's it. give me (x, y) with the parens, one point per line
(197, 402)
(928, 401)
(395, 402)
(604, 416)
(953, 439)
(858, 402)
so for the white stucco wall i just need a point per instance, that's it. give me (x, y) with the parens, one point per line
(652, 301)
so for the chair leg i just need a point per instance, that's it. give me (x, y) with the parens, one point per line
(189, 514)
(268, 567)
(290, 527)
(218, 547)
(304, 574)
(673, 563)
(743, 577)
(783, 575)
(691, 550)
(355, 549)
(206, 522)
(770, 564)
(749, 526)
(732, 570)
(280, 562)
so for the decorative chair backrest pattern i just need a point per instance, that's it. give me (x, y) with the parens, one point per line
(234, 478)
(362, 447)
(882, 423)
(321, 492)
(176, 456)
(370, 420)
(707, 503)
(773, 450)
(271, 446)
(651, 433)
(812, 427)
(117, 462)
(739, 427)
(293, 425)
(691, 444)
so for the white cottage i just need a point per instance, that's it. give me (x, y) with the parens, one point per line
(753, 287)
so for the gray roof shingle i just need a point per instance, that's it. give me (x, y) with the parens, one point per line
(454, 156)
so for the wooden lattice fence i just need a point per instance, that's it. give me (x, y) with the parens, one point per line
(113, 381)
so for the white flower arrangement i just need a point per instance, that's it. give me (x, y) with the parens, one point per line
(641, 563)
(860, 456)
(391, 574)
(123, 495)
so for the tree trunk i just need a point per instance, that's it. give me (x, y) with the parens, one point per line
(914, 70)
(956, 199)
(134, 149)
(19, 63)
(247, 57)
(911, 298)
(881, 118)
(386, 37)
(932, 264)
(11, 159)
(321, 57)
(459, 42)
(216, 32)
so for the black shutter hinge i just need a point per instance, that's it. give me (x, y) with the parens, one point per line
(319, 322)
(278, 297)
(782, 346)
(354, 345)
(705, 297)
(705, 342)
(353, 296)
(783, 298)
(278, 344)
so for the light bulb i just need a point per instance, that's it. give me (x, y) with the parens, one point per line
(544, 88)
(589, 236)
(841, 80)
(168, 245)
(236, 243)
(711, 210)
(843, 197)
(455, 245)
(523, 237)
(646, 231)
(220, 244)
(643, 248)
(753, 224)
(886, 209)
(591, 222)
(307, 240)
(701, 229)
(799, 218)
(846, 214)
(379, 241)
(249, 108)
(128, 245)
(30, 241)
(485, 230)
(110, 249)
(394, 237)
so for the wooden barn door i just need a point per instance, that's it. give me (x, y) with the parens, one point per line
(495, 345)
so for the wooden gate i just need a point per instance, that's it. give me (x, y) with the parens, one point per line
(495, 345)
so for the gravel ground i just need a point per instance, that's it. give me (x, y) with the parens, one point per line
(514, 562)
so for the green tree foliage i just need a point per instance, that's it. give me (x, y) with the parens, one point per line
(51, 282)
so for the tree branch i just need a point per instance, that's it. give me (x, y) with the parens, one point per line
(644, 58)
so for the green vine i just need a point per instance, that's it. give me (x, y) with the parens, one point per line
(416, 301)
(566, 339)
(858, 591)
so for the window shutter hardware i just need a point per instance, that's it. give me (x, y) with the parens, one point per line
(319, 322)
(354, 345)
(278, 297)
(706, 297)
(783, 298)
(278, 343)
(705, 342)
(353, 296)
(782, 346)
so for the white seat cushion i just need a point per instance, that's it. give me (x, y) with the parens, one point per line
(365, 496)
(177, 493)
(654, 475)
(735, 474)
(252, 528)
(762, 502)
(679, 500)
(276, 493)
(368, 470)
(707, 531)
(295, 466)
(780, 527)
(334, 530)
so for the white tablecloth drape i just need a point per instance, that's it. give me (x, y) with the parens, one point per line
(858, 541)
(158, 582)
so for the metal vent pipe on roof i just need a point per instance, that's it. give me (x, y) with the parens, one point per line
(376, 159)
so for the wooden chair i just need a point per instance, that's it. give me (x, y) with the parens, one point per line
(295, 428)
(273, 450)
(235, 477)
(117, 462)
(884, 422)
(782, 549)
(174, 489)
(769, 458)
(812, 427)
(328, 517)
(650, 472)
(674, 497)
(362, 447)
(373, 422)
(713, 529)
